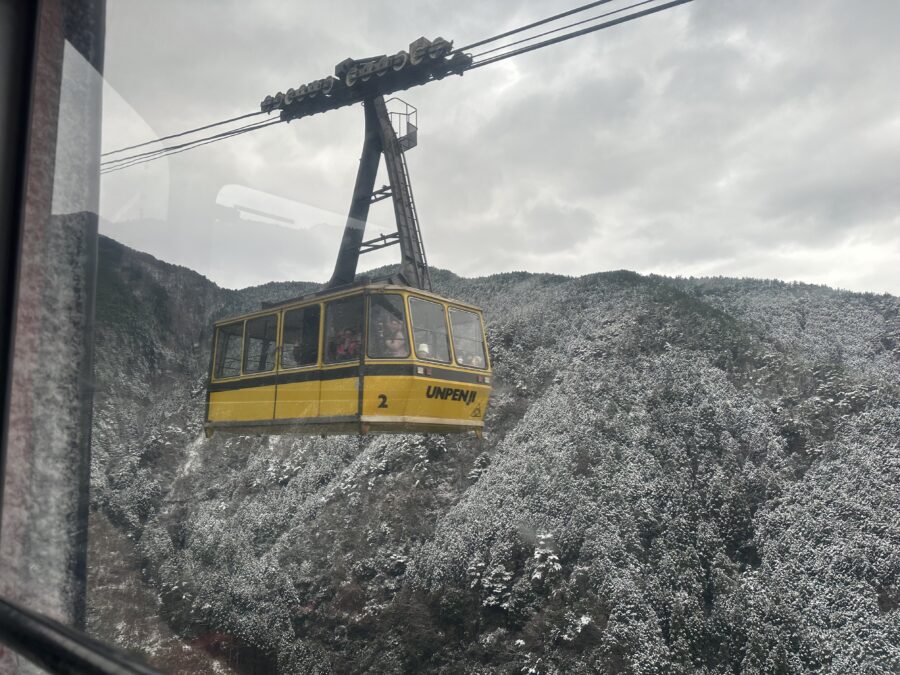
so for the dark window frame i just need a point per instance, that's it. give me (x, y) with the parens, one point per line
(319, 337)
(405, 321)
(412, 324)
(327, 358)
(216, 363)
(28, 67)
(484, 354)
(246, 340)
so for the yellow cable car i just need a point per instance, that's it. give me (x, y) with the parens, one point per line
(377, 358)
(372, 357)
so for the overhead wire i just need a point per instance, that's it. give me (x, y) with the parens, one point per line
(568, 25)
(549, 19)
(166, 149)
(578, 33)
(182, 133)
(190, 146)
(112, 165)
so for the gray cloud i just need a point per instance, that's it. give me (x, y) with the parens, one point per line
(723, 137)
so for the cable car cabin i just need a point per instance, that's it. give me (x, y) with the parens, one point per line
(376, 358)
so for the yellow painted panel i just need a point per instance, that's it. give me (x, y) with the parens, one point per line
(448, 400)
(425, 397)
(339, 397)
(253, 403)
(386, 396)
(297, 400)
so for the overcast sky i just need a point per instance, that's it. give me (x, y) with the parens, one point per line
(726, 137)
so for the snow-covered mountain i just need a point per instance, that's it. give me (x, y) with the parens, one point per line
(678, 476)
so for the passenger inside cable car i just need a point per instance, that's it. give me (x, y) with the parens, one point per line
(387, 328)
(300, 337)
(343, 327)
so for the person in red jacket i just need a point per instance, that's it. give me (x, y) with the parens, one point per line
(348, 346)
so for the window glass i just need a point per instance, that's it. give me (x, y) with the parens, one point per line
(228, 349)
(468, 338)
(259, 349)
(388, 338)
(429, 330)
(343, 329)
(301, 337)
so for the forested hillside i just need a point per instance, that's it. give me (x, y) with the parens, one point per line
(678, 476)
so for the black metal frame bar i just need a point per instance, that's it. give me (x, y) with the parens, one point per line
(381, 193)
(389, 82)
(348, 254)
(59, 648)
(381, 141)
(16, 75)
(382, 241)
(36, 637)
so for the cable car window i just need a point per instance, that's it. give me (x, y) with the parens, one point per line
(468, 338)
(388, 338)
(259, 348)
(301, 337)
(228, 349)
(343, 329)
(429, 330)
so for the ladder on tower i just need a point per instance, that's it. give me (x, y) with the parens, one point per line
(399, 134)
(382, 138)
(422, 261)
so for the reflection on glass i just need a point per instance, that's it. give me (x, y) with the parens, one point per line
(387, 327)
(301, 337)
(259, 350)
(429, 330)
(468, 338)
(228, 350)
(343, 329)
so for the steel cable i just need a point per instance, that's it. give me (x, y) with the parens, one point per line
(110, 162)
(174, 150)
(181, 133)
(578, 33)
(111, 165)
(569, 25)
(561, 15)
